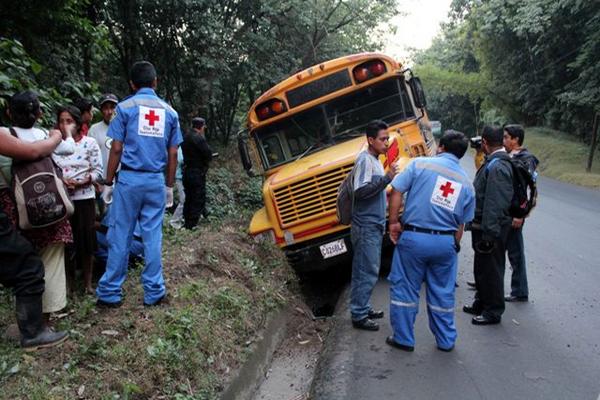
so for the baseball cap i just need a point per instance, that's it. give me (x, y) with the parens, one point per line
(108, 97)
(198, 122)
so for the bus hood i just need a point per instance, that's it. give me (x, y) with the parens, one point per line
(332, 156)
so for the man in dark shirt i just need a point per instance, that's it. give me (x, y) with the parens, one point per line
(490, 228)
(196, 158)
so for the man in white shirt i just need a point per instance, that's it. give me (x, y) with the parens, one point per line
(108, 104)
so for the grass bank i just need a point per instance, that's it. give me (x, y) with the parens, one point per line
(221, 288)
(562, 157)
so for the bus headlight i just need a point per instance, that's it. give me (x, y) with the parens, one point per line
(266, 236)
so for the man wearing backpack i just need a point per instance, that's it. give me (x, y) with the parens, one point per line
(490, 228)
(514, 135)
(368, 225)
(146, 135)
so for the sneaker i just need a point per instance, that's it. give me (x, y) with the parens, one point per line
(373, 314)
(105, 304)
(162, 300)
(390, 341)
(366, 324)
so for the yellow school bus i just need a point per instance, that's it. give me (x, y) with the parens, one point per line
(304, 134)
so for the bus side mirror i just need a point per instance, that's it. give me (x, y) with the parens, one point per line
(245, 155)
(417, 91)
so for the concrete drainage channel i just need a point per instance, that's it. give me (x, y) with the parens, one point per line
(283, 363)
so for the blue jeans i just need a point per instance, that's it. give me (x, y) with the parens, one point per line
(366, 244)
(516, 256)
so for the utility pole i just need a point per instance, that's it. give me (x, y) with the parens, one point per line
(593, 144)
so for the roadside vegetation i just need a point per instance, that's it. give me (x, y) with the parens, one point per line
(531, 62)
(222, 286)
(562, 157)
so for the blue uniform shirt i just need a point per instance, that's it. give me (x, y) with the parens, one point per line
(147, 126)
(370, 210)
(440, 195)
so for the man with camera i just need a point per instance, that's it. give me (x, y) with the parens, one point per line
(493, 194)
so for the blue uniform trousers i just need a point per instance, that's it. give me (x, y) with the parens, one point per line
(366, 260)
(138, 196)
(422, 257)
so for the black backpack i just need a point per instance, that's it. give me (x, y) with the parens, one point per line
(345, 199)
(524, 188)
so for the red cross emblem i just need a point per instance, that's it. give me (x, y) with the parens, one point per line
(151, 117)
(446, 189)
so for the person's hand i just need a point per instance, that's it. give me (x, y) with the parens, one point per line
(107, 194)
(392, 171)
(517, 223)
(484, 246)
(456, 245)
(55, 134)
(69, 183)
(395, 231)
(169, 197)
(70, 130)
(98, 187)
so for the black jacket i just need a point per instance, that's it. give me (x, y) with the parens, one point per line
(196, 152)
(493, 193)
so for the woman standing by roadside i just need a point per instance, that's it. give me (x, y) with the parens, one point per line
(24, 110)
(80, 170)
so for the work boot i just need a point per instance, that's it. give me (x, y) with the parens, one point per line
(34, 335)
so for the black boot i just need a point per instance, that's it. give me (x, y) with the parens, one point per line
(33, 333)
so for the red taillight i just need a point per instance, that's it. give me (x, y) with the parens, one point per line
(361, 74)
(377, 68)
(277, 107)
(270, 109)
(263, 112)
(369, 70)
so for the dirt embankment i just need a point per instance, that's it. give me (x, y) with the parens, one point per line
(221, 287)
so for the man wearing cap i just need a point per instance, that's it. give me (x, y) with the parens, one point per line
(108, 103)
(146, 135)
(196, 157)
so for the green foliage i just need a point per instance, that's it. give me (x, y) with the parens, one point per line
(19, 71)
(214, 57)
(228, 196)
(537, 62)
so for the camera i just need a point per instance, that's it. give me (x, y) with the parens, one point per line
(475, 142)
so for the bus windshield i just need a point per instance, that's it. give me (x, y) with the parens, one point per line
(333, 122)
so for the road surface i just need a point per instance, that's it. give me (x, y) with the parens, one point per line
(548, 348)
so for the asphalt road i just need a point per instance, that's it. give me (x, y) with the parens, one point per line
(548, 348)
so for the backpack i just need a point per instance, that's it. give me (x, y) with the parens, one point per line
(40, 193)
(524, 188)
(345, 199)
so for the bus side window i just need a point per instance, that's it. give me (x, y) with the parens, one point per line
(273, 150)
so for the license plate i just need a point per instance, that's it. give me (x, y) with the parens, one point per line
(333, 249)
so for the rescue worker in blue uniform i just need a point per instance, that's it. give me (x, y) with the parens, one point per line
(146, 136)
(439, 201)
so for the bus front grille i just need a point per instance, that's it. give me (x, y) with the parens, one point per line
(309, 198)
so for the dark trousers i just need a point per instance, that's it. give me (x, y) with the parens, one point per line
(20, 266)
(516, 256)
(194, 185)
(489, 275)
